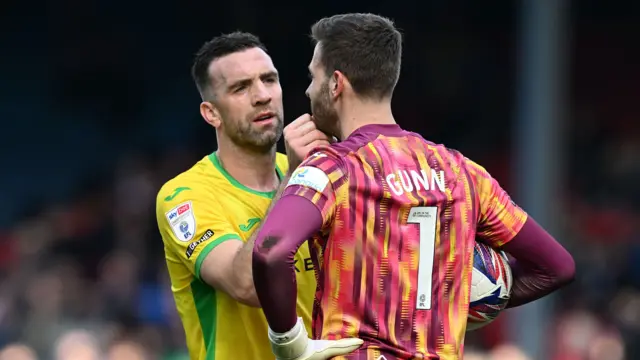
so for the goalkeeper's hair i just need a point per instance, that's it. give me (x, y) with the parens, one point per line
(218, 47)
(366, 48)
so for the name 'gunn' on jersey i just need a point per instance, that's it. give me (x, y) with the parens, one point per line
(402, 181)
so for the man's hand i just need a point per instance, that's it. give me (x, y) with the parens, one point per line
(296, 345)
(300, 137)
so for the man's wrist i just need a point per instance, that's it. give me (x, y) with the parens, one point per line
(290, 344)
(283, 338)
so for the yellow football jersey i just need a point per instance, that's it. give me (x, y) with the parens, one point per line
(197, 210)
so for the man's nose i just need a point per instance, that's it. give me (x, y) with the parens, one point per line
(261, 95)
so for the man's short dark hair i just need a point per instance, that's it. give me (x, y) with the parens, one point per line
(218, 47)
(366, 48)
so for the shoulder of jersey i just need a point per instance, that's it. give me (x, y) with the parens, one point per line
(178, 188)
(323, 155)
(336, 150)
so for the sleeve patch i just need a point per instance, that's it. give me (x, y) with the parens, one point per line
(182, 221)
(310, 177)
(192, 247)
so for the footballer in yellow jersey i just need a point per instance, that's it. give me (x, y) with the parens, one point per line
(210, 215)
(197, 211)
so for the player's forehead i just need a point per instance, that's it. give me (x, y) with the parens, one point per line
(315, 64)
(246, 64)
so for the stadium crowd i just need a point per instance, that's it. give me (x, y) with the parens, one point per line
(85, 278)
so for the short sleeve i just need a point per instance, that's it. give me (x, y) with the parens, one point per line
(500, 218)
(318, 179)
(191, 224)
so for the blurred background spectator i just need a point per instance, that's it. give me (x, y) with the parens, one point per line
(99, 111)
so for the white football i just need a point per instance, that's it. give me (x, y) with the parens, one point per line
(491, 283)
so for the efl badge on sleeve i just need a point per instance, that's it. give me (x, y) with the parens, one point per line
(182, 221)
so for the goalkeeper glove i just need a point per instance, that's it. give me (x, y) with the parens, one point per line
(296, 345)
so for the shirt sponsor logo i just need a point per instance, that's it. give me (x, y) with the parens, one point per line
(192, 247)
(178, 210)
(182, 221)
(305, 265)
(311, 177)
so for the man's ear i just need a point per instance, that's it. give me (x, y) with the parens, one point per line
(210, 114)
(337, 84)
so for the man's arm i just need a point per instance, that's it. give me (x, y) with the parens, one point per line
(228, 266)
(543, 265)
(196, 230)
(307, 206)
(293, 220)
(197, 233)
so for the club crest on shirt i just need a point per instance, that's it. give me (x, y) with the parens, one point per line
(182, 221)
(310, 177)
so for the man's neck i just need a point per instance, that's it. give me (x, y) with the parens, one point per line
(364, 113)
(253, 170)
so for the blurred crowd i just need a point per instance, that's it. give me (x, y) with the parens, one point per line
(87, 278)
(82, 277)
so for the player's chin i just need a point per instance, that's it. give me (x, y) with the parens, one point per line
(267, 140)
(267, 130)
(268, 134)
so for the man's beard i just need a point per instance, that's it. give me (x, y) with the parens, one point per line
(324, 115)
(246, 136)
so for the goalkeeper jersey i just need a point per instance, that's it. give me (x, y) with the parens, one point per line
(196, 211)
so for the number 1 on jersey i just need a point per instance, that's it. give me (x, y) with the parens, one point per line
(426, 217)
